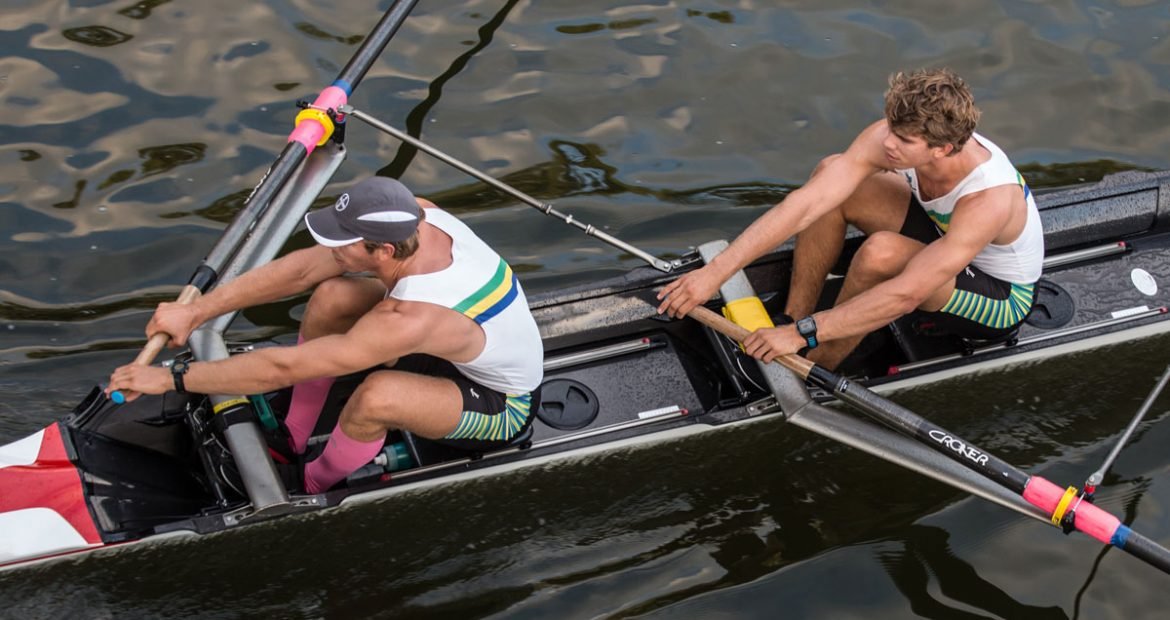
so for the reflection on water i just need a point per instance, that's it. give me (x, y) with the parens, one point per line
(133, 132)
(97, 36)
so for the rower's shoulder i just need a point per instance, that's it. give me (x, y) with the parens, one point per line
(405, 310)
(990, 202)
(868, 149)
(879, 129)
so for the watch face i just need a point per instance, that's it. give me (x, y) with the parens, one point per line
(806, 326)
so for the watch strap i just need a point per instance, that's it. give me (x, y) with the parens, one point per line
(807, 328)
(178, 369)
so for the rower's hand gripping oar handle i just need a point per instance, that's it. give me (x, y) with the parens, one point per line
(157, 342)
(795, 363)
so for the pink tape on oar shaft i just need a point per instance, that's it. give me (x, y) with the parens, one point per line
(1089, 518)
(309, 133)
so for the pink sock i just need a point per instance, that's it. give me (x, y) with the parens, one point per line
(308, 398)
(343, 455)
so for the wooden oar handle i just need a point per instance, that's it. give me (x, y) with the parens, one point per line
(156, 343)
(717, 322)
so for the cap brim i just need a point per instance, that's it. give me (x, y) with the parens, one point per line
(322, 224)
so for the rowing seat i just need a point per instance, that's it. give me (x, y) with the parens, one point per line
(1052, 307)
(920, 340)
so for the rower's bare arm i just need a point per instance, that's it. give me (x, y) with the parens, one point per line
(975, 222)
(826, 190)
(294, 273)
(380, 336)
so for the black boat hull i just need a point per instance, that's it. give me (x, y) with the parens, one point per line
(617, 375)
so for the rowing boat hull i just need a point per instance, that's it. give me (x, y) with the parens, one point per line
(111, 475)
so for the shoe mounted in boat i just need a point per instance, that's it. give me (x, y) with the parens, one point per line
(292, 475)
(280, 445)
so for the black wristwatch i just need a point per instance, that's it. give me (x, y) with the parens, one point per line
(807, 328)
(178, 369)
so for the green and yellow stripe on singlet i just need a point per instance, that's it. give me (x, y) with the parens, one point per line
(942, 220)
(993, 313)
(1023, 184)
(491, 298)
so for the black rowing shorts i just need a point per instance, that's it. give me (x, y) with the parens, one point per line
(982, 306)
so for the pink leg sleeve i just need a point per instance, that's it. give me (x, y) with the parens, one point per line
(308, 398)
(343, 455)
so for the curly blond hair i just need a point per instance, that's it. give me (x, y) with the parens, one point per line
(934, 104)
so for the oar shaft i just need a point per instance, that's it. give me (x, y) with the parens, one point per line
(374, 43)
(887, 412)
(303, 138)
(914, 425)
(1146, 550)
(1037, 491)
(257, 202)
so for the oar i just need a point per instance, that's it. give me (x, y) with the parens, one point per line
(314, 127)
(1084, 516)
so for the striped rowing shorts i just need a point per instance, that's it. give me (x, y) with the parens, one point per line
(982, 306)
(490, 419)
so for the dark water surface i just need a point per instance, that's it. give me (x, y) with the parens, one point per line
(131, 133)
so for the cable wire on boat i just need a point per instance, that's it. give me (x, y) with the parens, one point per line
(546, 208)
(1041, 493)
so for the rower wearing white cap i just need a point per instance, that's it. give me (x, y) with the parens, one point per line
(443, 313)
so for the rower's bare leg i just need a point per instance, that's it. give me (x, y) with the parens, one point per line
(338, 303)
(335, 306)
(426, 406)
(817, 249)
(882, 257)
(879, 204)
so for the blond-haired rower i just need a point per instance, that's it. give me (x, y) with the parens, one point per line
(951, 227)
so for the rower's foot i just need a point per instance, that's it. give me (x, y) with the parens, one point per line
(280, 445)
(292, 475)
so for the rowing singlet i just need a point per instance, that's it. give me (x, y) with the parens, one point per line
(1019, 261)
(479, 284)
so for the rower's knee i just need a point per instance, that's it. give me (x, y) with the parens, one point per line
(372, 407)
(332, 308)
(882, 255)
